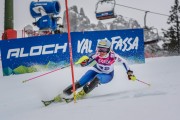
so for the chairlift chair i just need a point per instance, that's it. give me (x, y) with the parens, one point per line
(151, 30)
(155, 32)
(104, 13)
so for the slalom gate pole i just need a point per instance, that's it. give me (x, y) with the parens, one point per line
(70, 50)
(44, 74)
(143, 82)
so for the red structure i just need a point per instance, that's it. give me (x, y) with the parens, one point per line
(9, 34)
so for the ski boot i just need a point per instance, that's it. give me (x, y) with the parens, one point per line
(87, 88)
(58, 98)
(80, 94)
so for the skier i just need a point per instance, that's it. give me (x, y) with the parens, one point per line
(101, 73)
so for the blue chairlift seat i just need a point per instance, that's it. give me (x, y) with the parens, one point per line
(105, 13)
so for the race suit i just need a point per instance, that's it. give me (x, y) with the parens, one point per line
(103, 69)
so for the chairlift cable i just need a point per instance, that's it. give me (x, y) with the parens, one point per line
(142, 10)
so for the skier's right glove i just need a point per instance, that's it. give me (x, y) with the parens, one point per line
(83, 61)
(130, 75)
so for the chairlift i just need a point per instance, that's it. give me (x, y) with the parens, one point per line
(153, 33)
(105, 9)
(151, 30)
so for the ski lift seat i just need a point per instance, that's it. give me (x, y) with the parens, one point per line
(105, 15)
(105, 9)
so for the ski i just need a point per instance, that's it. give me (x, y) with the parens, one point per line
(68, 100)
(48, 102)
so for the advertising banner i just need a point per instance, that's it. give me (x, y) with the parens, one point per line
(26, 55)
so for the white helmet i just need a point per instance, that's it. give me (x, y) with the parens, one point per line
(104, 43)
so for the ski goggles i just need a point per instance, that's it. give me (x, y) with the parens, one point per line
(103, 50)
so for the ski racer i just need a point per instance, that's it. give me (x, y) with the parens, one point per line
(101, 73)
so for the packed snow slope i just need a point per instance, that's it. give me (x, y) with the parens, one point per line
(121, 99)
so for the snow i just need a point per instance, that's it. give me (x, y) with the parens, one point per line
(121, 99)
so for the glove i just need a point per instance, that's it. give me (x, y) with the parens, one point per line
(83, 60)
(130, 75)
(84, 63)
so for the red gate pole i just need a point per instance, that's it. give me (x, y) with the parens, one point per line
(70, 50)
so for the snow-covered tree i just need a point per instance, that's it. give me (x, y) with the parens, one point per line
(173, 32)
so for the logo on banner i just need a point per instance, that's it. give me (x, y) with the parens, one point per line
(118, 43)
(84, 46)
(36, 50)
(126, 44)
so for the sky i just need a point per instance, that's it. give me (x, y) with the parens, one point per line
(120, 99)
(22, 16)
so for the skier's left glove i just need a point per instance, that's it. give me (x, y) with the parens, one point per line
(130, 75)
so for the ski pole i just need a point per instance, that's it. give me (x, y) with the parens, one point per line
(143, 82)
(44, 74)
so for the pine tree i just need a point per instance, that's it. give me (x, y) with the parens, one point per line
(172, 34)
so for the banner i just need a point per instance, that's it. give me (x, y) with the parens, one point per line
(33, 54)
